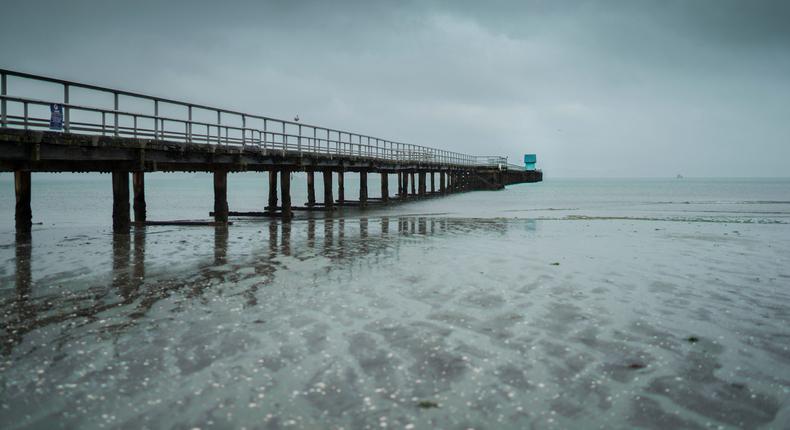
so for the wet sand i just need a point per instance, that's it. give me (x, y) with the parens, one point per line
(399, 321)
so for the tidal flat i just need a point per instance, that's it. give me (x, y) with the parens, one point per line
(541, 306)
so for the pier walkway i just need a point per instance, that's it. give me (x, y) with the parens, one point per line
(88, 128)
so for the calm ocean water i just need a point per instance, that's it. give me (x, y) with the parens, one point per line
(565, 304)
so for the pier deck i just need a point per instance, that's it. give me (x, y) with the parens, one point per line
(91, 138)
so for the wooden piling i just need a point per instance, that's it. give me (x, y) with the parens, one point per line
(442, 183)
(421, 189)
(400, 184)
(328, 199)
(221, 196)
(341, 188)
(433, 185)
(272, 189)
(363, 188)
(24, 214)
(138, 187)
(385, 191)
(310, 188)
(285, 193)
(120, 202)
(405, 184)
(413, 184)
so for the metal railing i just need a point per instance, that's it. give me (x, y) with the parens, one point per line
(231, 128)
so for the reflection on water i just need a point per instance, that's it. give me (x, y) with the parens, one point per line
(129, 285)
(400, 321)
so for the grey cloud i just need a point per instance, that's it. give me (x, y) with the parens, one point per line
(619, 88)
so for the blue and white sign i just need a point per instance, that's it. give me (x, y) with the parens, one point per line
(56, 116)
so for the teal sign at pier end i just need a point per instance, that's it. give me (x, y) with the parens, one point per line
(529, 161)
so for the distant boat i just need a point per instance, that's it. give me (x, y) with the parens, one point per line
(679, 176)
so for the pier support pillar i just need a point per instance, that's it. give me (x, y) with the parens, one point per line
(24, 215)
(385, 187)
(405, 184)
(221, 196)
(138, 186)
(272, 190)
(310, 188)
(413, 184)
(433, 183)
(421, 189)
(120, 202)
(285, 193)
(328, 198)
(400, 184)
(341, 188)
(363, 188)
(442, 187)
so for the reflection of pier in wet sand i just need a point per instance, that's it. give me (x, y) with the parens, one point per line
(134, 289)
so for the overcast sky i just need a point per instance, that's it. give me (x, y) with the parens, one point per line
(595, 88)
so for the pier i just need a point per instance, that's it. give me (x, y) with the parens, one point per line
(128, 134)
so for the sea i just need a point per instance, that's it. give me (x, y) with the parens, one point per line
(565, 304)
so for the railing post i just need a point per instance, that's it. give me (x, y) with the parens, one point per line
(189, 125)
(243, 130)
(264, 133)
(219, 128)
(115, 108)
(3, 92)
(299, 140)
(66, 124)
(156, 120)
(285, 139)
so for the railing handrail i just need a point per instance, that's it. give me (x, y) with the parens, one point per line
(374, 148)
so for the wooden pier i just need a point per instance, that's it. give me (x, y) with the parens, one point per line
(130, 143)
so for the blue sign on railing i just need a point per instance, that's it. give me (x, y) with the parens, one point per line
(56, 116)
